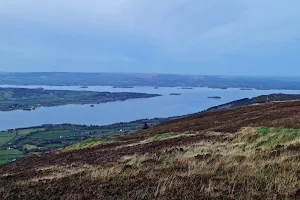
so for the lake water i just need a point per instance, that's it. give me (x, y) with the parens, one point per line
(191, 101)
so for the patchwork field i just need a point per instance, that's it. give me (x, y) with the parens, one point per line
(6, 137)
(50, 137)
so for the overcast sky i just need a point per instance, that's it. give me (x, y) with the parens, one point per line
(223, 37)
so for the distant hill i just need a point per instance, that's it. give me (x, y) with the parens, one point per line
(155, 80)
(249, 152)
(255, 100)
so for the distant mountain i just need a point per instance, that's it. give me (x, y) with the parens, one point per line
(255, 100)
(155, 80)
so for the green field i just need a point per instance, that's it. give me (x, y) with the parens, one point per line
(55, 134)
(54, 145)
(29, 146)
(50, 137)
(5, 137)
(9, 155)
(29, 130)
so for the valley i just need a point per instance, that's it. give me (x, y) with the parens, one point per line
(20, 142)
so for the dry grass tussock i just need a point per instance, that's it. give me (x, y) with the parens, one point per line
(246, 165)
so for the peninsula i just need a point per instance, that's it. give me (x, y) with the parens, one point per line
(29, 99)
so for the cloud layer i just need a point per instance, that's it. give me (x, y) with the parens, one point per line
(162, 32)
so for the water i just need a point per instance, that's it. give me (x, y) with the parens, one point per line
(190, 101)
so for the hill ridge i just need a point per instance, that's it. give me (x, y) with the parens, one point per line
(192, 157)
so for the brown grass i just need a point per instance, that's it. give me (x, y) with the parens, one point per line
(228, 168)
(199, 163)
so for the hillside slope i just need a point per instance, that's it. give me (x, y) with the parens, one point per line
(255, 100)
(244, 153)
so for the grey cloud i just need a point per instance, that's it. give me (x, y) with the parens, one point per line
(185, 27)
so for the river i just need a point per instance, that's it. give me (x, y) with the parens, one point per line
(190, 101)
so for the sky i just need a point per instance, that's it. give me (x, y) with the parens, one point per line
(216, 37)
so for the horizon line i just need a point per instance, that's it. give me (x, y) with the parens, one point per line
(147, 73)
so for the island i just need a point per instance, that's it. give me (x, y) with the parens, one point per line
(30, 99)
(175, 94)
(214, 97)
(124, 87)
(186, 88)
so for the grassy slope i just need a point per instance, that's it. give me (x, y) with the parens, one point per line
(245, 153)
(29, 130)
(256, 100)
(5, 137)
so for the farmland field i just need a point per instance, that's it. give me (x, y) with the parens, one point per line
(34, 140)
(6, 137)
(29, 146)
(9, 155)
(29, 130)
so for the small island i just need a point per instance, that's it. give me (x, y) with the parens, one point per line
(28, 109)
(214, 97)
(223, 88)
(30, 99)
(125, 87)
(186, 88)
(84, 87)
(175, 94)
